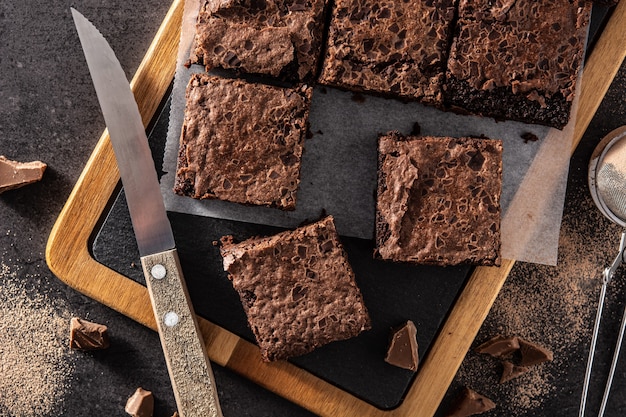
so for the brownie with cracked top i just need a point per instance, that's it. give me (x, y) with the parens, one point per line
(517, 59)
(438, 200)
(279, 38)
(389, 47)
(297, 289)
(242, 142)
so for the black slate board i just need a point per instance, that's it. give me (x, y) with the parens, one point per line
(392, 292)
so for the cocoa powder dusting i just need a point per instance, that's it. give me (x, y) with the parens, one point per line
(554, 306)
(36, 366)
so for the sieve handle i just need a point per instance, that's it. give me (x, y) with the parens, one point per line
(607, 275)
(605, 397)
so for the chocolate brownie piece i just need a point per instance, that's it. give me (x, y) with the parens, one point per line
(517, 59)
(242, 142)
(389, 47)
(281, 38)
(438, 200)
(297, 289)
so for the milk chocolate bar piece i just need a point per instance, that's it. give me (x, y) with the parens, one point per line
(511, 371)
(403, 349)
(499, 346)
(470, 403)
(533, 354)
(15, 174)
(85, 335)
(140, 404)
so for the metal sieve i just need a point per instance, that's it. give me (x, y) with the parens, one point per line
(607, 184)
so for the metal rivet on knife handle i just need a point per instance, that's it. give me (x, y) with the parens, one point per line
(170, 319)
(158, 271)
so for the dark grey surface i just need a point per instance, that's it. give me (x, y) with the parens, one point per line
(48, 111)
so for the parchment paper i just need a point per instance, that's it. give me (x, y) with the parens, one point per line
(339, 164)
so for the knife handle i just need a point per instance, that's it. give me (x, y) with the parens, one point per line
(187, 362)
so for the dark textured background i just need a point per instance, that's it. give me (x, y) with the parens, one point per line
(48, 111)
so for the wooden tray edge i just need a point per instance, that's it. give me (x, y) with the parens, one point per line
(71, 261)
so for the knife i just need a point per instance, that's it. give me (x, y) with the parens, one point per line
(185, 354)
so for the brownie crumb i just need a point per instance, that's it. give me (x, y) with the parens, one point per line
(417, 129)
(358, 98)
(529, 137)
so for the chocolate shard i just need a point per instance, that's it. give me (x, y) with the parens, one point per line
(499, 346)
(470, 403)
(140, 404)
(85, 335)
(533, 354)
(511, 371)
(403, 349)
(15, 174)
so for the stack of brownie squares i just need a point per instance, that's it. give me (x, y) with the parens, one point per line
(438, 198)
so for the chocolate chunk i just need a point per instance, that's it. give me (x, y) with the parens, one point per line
(499, 346)
(470, 403)
(403, 351)
(140, 404)
(511, 371)
(15, 174)
(533, 354)
(85, 335)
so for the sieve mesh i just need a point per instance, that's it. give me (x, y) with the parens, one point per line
(611, 179)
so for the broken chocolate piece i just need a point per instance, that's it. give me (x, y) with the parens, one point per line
(402, 351)
(470, 403)
(499, 346)
(140, 404)
(533, 354)
(15, 174)
(511, 371)
(85, 335)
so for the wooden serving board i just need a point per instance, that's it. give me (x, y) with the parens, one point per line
(69, 257)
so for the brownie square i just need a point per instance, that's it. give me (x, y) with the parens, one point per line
(518, 59)
(438, 200)
(394, 48)
(242, 142)
(280, 38)
(297, 289)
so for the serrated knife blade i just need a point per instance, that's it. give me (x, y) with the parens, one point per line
(187, 362)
